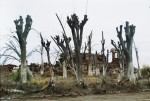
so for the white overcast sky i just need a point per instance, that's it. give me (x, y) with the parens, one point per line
(103, 15)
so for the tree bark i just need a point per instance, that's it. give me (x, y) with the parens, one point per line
(64, 69)
(42, 62)
(137, 58)
(90, 72)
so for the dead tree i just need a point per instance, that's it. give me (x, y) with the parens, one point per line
(96, 64)
(65, 52)
(137, 58)
(66, 41)
(42, 61)
(104, 57)
(127, 48)
(90, 73)
(121, 57)
(22, 36)
(47, 48)
(68, 47)
(77, 33)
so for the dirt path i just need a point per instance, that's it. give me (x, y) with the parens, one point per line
(143, 96)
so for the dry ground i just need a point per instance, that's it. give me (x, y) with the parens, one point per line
(142, 96)
(67, 90)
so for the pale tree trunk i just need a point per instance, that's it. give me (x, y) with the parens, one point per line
(73, 67)
(139, 71)
(23, 63)
(64, 69)
(104, 70)
(131, 74)
(23, 73)
(129, 39)
(97, 71)
(105, 58)
(121, 67)
(42, 62)
(137, 58)
(105, 66)
(24, 68)
(120, 77)
(79, 68)
(48, 58)
(90, 72)
(97, 66)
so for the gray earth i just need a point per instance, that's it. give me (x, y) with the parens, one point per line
(142, 96)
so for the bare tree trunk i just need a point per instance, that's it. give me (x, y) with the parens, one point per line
(105, 58)
(42, 62)
(104, 70)
(23, 63)
(64, 69)
(79, 67)
(105, 66)
(97, 66)
(129, 30)
(97, 71)
(23, 73)
(137, 58)
(90, 72)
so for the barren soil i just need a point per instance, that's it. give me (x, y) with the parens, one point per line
(142, 96)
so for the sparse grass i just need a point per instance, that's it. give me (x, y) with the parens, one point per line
(91, 79)
(16, 76)
(144, 70)
(39, 80)
(92, 85)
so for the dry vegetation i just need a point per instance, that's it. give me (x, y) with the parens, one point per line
(69, 87)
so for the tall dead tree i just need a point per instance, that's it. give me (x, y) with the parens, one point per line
(127, 48)
(105, 58)
(90, 72)
(65, 52)
(77, 33)
(42, 61)
(66, 41)
(137, 58)
(68, 47)
(47, 48)
(22, 36)
(96, 64)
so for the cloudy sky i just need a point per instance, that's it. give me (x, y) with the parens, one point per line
(103, 15)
